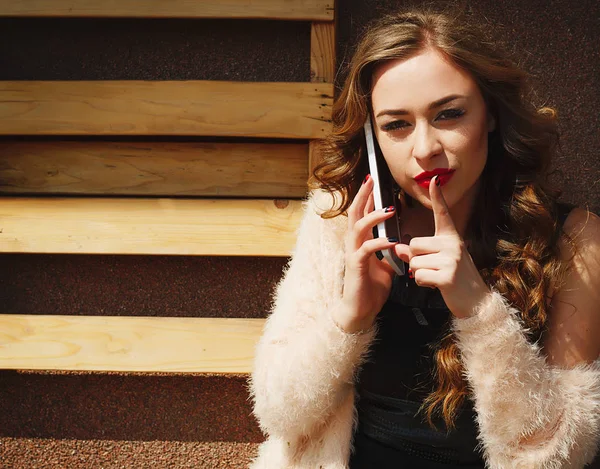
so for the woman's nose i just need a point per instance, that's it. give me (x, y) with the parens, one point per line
(425, 143)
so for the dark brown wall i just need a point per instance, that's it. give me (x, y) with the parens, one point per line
(135, 49)
(112, 420)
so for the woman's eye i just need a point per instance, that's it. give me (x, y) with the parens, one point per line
(395, 125)
(450, 114)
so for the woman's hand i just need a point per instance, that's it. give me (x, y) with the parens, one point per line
(443, 261)
(367, 280)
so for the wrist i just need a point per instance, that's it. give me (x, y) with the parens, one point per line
(488, 314)
(479, 296)
(351, 326)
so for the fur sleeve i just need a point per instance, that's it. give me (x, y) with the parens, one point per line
(304, 364)
(530, 414)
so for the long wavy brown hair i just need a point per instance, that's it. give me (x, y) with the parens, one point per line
(514, 230)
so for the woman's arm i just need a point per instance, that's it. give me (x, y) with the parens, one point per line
(540, 408)
(304, 364)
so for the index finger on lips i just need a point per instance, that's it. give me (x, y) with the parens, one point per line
(441, 214)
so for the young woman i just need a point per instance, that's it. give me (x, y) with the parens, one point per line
(486, 352)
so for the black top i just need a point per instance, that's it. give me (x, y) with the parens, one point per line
(397, 376)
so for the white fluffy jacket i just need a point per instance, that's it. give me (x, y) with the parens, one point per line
(302, 384)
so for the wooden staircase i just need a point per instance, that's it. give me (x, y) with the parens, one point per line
(115, 179)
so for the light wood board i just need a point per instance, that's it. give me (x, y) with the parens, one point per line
(310, 10)
(109, 343)
(228, 227)
(154, 168)
(207, 108)
(322, 69)
(322, 52)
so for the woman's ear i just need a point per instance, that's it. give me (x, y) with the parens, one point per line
(491, 122)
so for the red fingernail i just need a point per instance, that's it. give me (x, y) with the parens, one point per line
(410, 274)
(437, 180)
(367, 178)
(391, 208)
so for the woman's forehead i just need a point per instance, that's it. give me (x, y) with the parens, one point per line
(419, 81)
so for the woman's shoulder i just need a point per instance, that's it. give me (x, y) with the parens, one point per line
(575, 304)
(578, 223)
(581, 246)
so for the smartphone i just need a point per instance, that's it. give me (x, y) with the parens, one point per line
(384, 195)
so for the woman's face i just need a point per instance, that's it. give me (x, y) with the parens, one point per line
(429, 116)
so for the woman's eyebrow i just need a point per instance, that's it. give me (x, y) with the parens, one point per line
(438, 103)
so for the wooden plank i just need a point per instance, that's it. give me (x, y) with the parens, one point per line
(309, 10)
(322, 69)
(108, 343)
(322, 52)
(154, 168)
(213, 108)
(229, 227)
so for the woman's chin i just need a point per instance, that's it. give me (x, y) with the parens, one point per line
(425, 201)
(421, 200)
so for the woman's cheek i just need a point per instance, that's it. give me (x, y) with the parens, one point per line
(476, 133)
(397, 160)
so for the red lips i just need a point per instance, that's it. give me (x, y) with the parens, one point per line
(444, 175)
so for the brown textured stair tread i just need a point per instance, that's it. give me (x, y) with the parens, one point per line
(108, 454)
(169, 49)
(132, 285)
(126, 407)
(110, 420)
(253, 227)
(98, 343)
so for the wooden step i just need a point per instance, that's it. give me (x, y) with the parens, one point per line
(268, 9)
(132, 344)
(154, 168)
(202, 108)
(222, 227)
